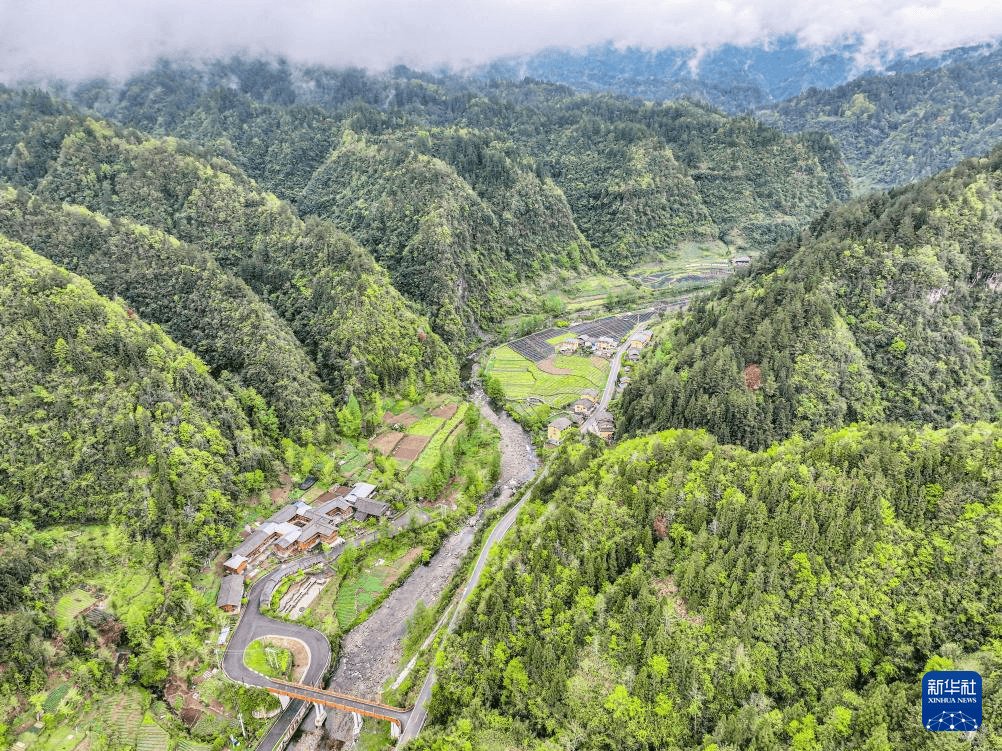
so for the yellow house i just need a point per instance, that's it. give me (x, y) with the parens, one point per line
(556, 427)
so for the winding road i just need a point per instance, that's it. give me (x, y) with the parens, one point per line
(519, 464)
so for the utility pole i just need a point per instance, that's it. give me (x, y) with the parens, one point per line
(243, 731)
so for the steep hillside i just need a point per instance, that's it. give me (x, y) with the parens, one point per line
(887, 309)
(492, 170)
(361, 335)
(107, 419)
(896, 128)
(676, 593)
(182, 288)
(458, 246)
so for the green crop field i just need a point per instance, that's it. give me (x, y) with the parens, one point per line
(431, 452)
(55, 696)
(521, 378)
(427, 425)
(356, 594)
(71, 605)
(151, 737)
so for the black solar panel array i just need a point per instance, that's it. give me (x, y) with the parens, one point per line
(535, 347)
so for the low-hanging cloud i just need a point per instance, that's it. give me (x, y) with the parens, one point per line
(77, 39)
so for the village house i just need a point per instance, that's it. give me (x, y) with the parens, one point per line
(583, 406)
(556, 427)
(591, 395)
(231, 592)
(641, 339)
(605, 345)
(633, 354)
(568, 346)
(297, 527)
(366, 507)
(605, 425)
(742, 261)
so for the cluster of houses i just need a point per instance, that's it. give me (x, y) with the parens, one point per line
(580, 411)
(294, 529)
(603, 346)
(637, 342)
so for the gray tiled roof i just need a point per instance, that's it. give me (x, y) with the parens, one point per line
(231, 591)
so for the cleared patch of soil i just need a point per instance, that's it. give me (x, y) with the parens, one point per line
(407, 455)
(599, 362)
(446, 411)
(414, 443)
(406, 419)
(386, 442)
(547, 366)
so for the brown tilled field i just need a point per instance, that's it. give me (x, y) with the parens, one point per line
(547, 366)
(446, 411)
(385, 443)
(411, 447)
(404, 419)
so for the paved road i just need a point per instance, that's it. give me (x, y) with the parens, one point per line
(254, 625)
(420, 711)
(610, 386)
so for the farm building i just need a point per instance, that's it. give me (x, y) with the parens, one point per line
(605, 345)
(237, 564)
(641, 338)
(231, 591)
(556, 427)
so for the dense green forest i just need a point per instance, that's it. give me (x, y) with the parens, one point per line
(339, 308)
(887, 309)
(479, 184)
(107, 420)
(896, 128)
(677, 593)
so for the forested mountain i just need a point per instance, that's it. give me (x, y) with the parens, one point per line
(183, 289)
(735, 78)
(676, 593)
(339, 308)
(107, 419)
(480, 184)
(893, 129)
(456, 245)
(887, 309)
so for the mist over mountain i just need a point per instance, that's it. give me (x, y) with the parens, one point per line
(733, 77)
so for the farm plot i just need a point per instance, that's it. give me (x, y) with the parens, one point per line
(567, 376)
(386, 442)
(152, 737)
(71, 605)
(426, 426)
(362, 587)
(411, 446)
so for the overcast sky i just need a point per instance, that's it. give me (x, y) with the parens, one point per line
(83, 38)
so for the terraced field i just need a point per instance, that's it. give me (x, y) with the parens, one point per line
(524, 381)
(71, 605)
(152, 737)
